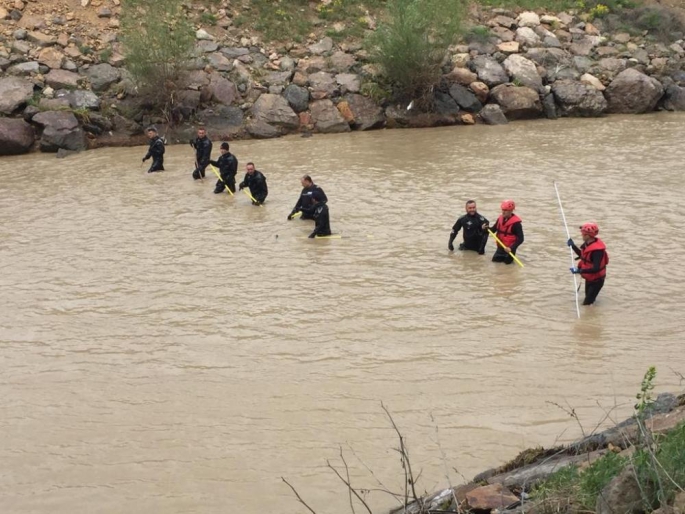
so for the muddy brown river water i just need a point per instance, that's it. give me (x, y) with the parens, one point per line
(162, 351)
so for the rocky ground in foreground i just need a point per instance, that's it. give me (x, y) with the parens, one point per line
(602, 473)
(64, 85)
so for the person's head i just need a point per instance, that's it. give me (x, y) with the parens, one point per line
(471, 207)
(507, 207)
(224, 148)
(249, 167)
(589, 231)
(201, 132)
(151, 132)
(306, 181)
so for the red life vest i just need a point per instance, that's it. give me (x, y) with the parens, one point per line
(586, 260)
(504, 229)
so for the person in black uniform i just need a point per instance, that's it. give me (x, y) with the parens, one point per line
(323, 225)
(475, 230)
(228, 167)
(156, 151)
(255, 181)
(304, 202)
(203, 153)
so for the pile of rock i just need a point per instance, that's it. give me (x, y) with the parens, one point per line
(526, 66)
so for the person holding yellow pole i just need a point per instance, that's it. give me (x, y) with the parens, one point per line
(508, 231)
(255, 182)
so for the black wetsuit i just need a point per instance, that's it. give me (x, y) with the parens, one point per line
(475, 236)
(203, 154)
(156, 152)
(305, 203)
(323, 224)
(592, 288)
(256, 183)
(228, 167)
(500, 254)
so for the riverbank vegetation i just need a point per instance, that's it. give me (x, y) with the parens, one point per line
(637, 466)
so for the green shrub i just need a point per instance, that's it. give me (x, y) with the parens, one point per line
(411, 43)
(207, 18)
(478, 33)
(158, 41)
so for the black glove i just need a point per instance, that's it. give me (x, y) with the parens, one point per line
(312, 236)
(192, 143)
(290, 216)
(241, 187)
(145, 159)
(450, 246)
(569, 242)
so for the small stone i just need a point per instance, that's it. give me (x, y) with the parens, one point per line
(105, 13)
(528, 19)
(41, 39)
(621, 37)
(593, 81)
(510, 47)
(467, 119)
(591, 30)
(203, 35)
(481, 90)
(85, 3)
(490, 497)
(20, 34)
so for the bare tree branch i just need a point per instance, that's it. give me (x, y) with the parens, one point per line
(299, 498)
(384, 487)
(347, 472)
(405, 456)
(350, 487)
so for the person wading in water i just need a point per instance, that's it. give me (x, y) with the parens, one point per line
(593, 261)
(475, 230)
(509, 230)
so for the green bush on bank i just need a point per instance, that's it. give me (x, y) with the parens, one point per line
(411, 41)
(159, 41)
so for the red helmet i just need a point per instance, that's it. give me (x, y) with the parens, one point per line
(589, 229)
(508, 205)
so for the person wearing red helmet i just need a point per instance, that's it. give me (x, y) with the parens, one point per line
(509, 230)
(593, 261)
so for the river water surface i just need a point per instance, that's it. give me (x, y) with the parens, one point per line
(167, 350)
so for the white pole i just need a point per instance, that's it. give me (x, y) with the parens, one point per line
(568, 234)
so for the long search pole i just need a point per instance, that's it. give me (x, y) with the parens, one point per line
(513, 256)
(568, 234)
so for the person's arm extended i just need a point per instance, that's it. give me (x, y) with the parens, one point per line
(455, 230)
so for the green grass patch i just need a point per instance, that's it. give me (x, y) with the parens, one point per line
(207, 18)
(279, 20)
(663, 475)
(569, 486)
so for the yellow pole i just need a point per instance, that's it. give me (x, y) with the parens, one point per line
(504, 246)
(246, 190)
(216, 172)
(296, 215)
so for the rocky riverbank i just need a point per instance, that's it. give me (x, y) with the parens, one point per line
(617, 471)
(64, 84)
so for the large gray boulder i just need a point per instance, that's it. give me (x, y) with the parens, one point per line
(632, 92)
(16, 136)
(221, 90)
(366, 115)
(262, 130)
(63, 79)
(465, 98)
(327, 118)
(323, 85)
(444, 104)
(60, 130)
(489, 70)
(675, 98)
(81, 99)
(102, 76)
(524, 71)
(274, 110)
(222, 121)
(297, 97)
(14, 92)
(578, 99)
(517, 102)
(492, 114)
